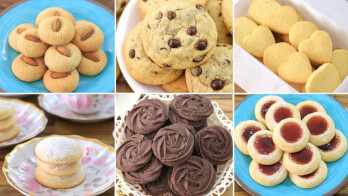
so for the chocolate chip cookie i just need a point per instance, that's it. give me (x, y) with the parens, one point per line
(140, 66)
(179, 35)
(214, 75)
(227, 14)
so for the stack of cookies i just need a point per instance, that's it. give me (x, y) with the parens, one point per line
(182, 46)
(67, 48)
(177, 154)
(59, 163)
(287, 138)
(295, 49)
(8, 122)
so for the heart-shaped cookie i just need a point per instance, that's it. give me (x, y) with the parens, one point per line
(276, 54)
(243, 26)
(340, 61)
(260, 9)
(323, 80)
(282, 19)
(318, 48)
(301, 31)
(257, 42)
(297, 69)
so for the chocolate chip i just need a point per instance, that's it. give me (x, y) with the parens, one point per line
(123, 4)
(151, 60)
(163, 48)
(228, 61)
(166, 65)
(220, 14)
(132, 53)
(155, 72)
(200, 7)
(199, 59)
(201, 45)
(144, 0)
(192, 30)
(229, 35)
(174, 43)
(171, 15)
(148, 26)
(197, 71)
(159, 15)
(217, 84)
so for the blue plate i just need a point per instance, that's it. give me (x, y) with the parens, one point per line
(337, 171)
(26, 12)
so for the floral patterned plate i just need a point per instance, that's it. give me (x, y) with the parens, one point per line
(31, 121)
(98, 161)
(53, 104)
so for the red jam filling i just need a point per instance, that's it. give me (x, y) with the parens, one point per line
(317, 125)
(282, 113)
(269, 169)
(332, 144)
(309, 175)
(302, 157)
(264, 144)
(265, 108)
(249, 131)
(307, 109)
(291, 132)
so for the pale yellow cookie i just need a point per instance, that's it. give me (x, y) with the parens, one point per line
(310, 180)
(276, 54)
(263, 105)
(340, 61)
(9, 134)
(308, 107)
(335, 149)
(257, 42)
(268, 175)
(280, 111)
(318, 48)
(282, 19)
(6, 110)
(59, 182)
(323, 80)
(53, 11)
(300, 31)
(243, 26)
(59, 170)
(296, 69)
(259, 10)
(7, 123)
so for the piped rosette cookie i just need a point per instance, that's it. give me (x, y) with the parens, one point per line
(310, 180)
(321, 127)
(268, 175)
(303, 162)
(244, 131)
(335, 149)
(59, 163)
(262, 148)
(280, 111)
(263, 105)
(291, 135)
(160, 186)
(308, 107)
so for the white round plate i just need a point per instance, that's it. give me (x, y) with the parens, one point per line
(224, 174)
(30, 119)
(98, 162)
(125, 102)
(54, 105)
(129, 19)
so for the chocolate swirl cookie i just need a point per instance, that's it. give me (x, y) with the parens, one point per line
(214, 144)
(130, 133)
(194, 177)
(133, 154)
(147, 116)
(175, 118)
(174, 144)
(192, 107)
(149, 173)
(159, 186)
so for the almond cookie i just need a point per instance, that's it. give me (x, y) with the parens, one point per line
(6, 110)
(215, 11)
(215, 75)
(9, 133)
(257, 42)
(259, 10)
(92, 63)
(318, 47)
(227, 14)
(268, 175)
(177, 86)
(243, 26)
(7, 123)
(280, 111)
(59, 182)
(61, 82)
(310, 180)
(120, 5)
(63, 58)
(296, 69)
(53, 11)
(308, 107)
(146, 6)
(88, 36)
(28, 69)
(276, 54)
(15, 33)
(323, 80)
(30, 45)
(56, 30)
(263, 105)
(340, 61)
(179, 35)
(301, 31)
(141, 66)
(282, 19)
(335, 149)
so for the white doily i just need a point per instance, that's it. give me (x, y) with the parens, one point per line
(224, 174)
